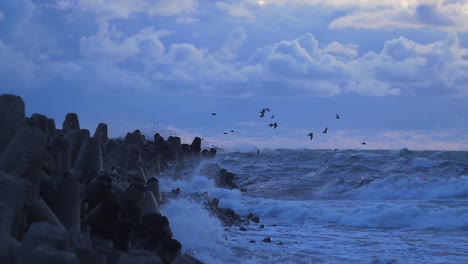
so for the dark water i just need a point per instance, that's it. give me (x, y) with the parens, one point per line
(332, 207)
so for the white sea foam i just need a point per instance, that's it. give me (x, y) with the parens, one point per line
(414, 187)
(373, 208)
(200, 233)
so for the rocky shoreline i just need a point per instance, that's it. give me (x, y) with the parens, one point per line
(69, 197)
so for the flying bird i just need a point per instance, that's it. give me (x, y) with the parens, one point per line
(262, 113)
(232, 131)
(337, 116)
(325, 130)
(213, 113)
(273, 116)
(311, 135)
(364, 143)
(274, 125)
(225, 133)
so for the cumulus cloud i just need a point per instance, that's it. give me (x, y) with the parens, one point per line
(108, 44)
(153, 58)
(435, 14)
(337, 49)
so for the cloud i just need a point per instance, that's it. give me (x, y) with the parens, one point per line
(113, 9)
(236, 10)
(110, 45)
(436, 14)
(16, 68)
(337, 49)
(235, 40)
(415, 68)
(2, 17)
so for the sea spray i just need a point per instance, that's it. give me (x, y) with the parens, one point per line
(200, 233)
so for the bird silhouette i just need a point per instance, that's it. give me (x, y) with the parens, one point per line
(273, 125)
(325, 130)
(225, 133)
(273, 116)
(337, 116)
(364, 143)
(213, 113)
(262, 113)
(232, 131)
(311, 135)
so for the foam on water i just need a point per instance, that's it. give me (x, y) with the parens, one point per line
(347, 207)
(200, 233)
(413, 187)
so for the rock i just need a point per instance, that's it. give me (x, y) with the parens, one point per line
(105, 214)
(91, 257)
(67, 202)
(73, 139)
(134, 156)
(242, 228)
(135, 193)
(251, 241)
(135, 138)
(149, 204)
(98, 190)
(12, 117)
(90, 159)
(41, 122)
(169, 249)
(140, 257)
(261, 226)
(15, 193)
(23, 155)
(46, 243)
(267, 239)
(8, 249)
(41, 212)
(153, 185)
(196, 145)
(101, 133)
(186, 259)
(255, 219)
(51, 126)
(71, 122)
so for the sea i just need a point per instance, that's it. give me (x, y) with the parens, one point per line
(328, 206)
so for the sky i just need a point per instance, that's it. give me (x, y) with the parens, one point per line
(396, 71)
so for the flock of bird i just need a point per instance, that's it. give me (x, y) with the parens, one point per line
(274, 125)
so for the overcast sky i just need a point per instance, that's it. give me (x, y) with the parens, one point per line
(396, 71)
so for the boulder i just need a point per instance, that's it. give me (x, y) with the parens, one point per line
(12, 116)
(71, 122)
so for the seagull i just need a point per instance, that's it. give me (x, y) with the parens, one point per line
(325, 130)
(273, 116)
(213, 113)
(364, 143)
(311, 135)
(337, 116)
(262, 113)
(225, 133)
(274, 125)
(267, 109)
(232, 131)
